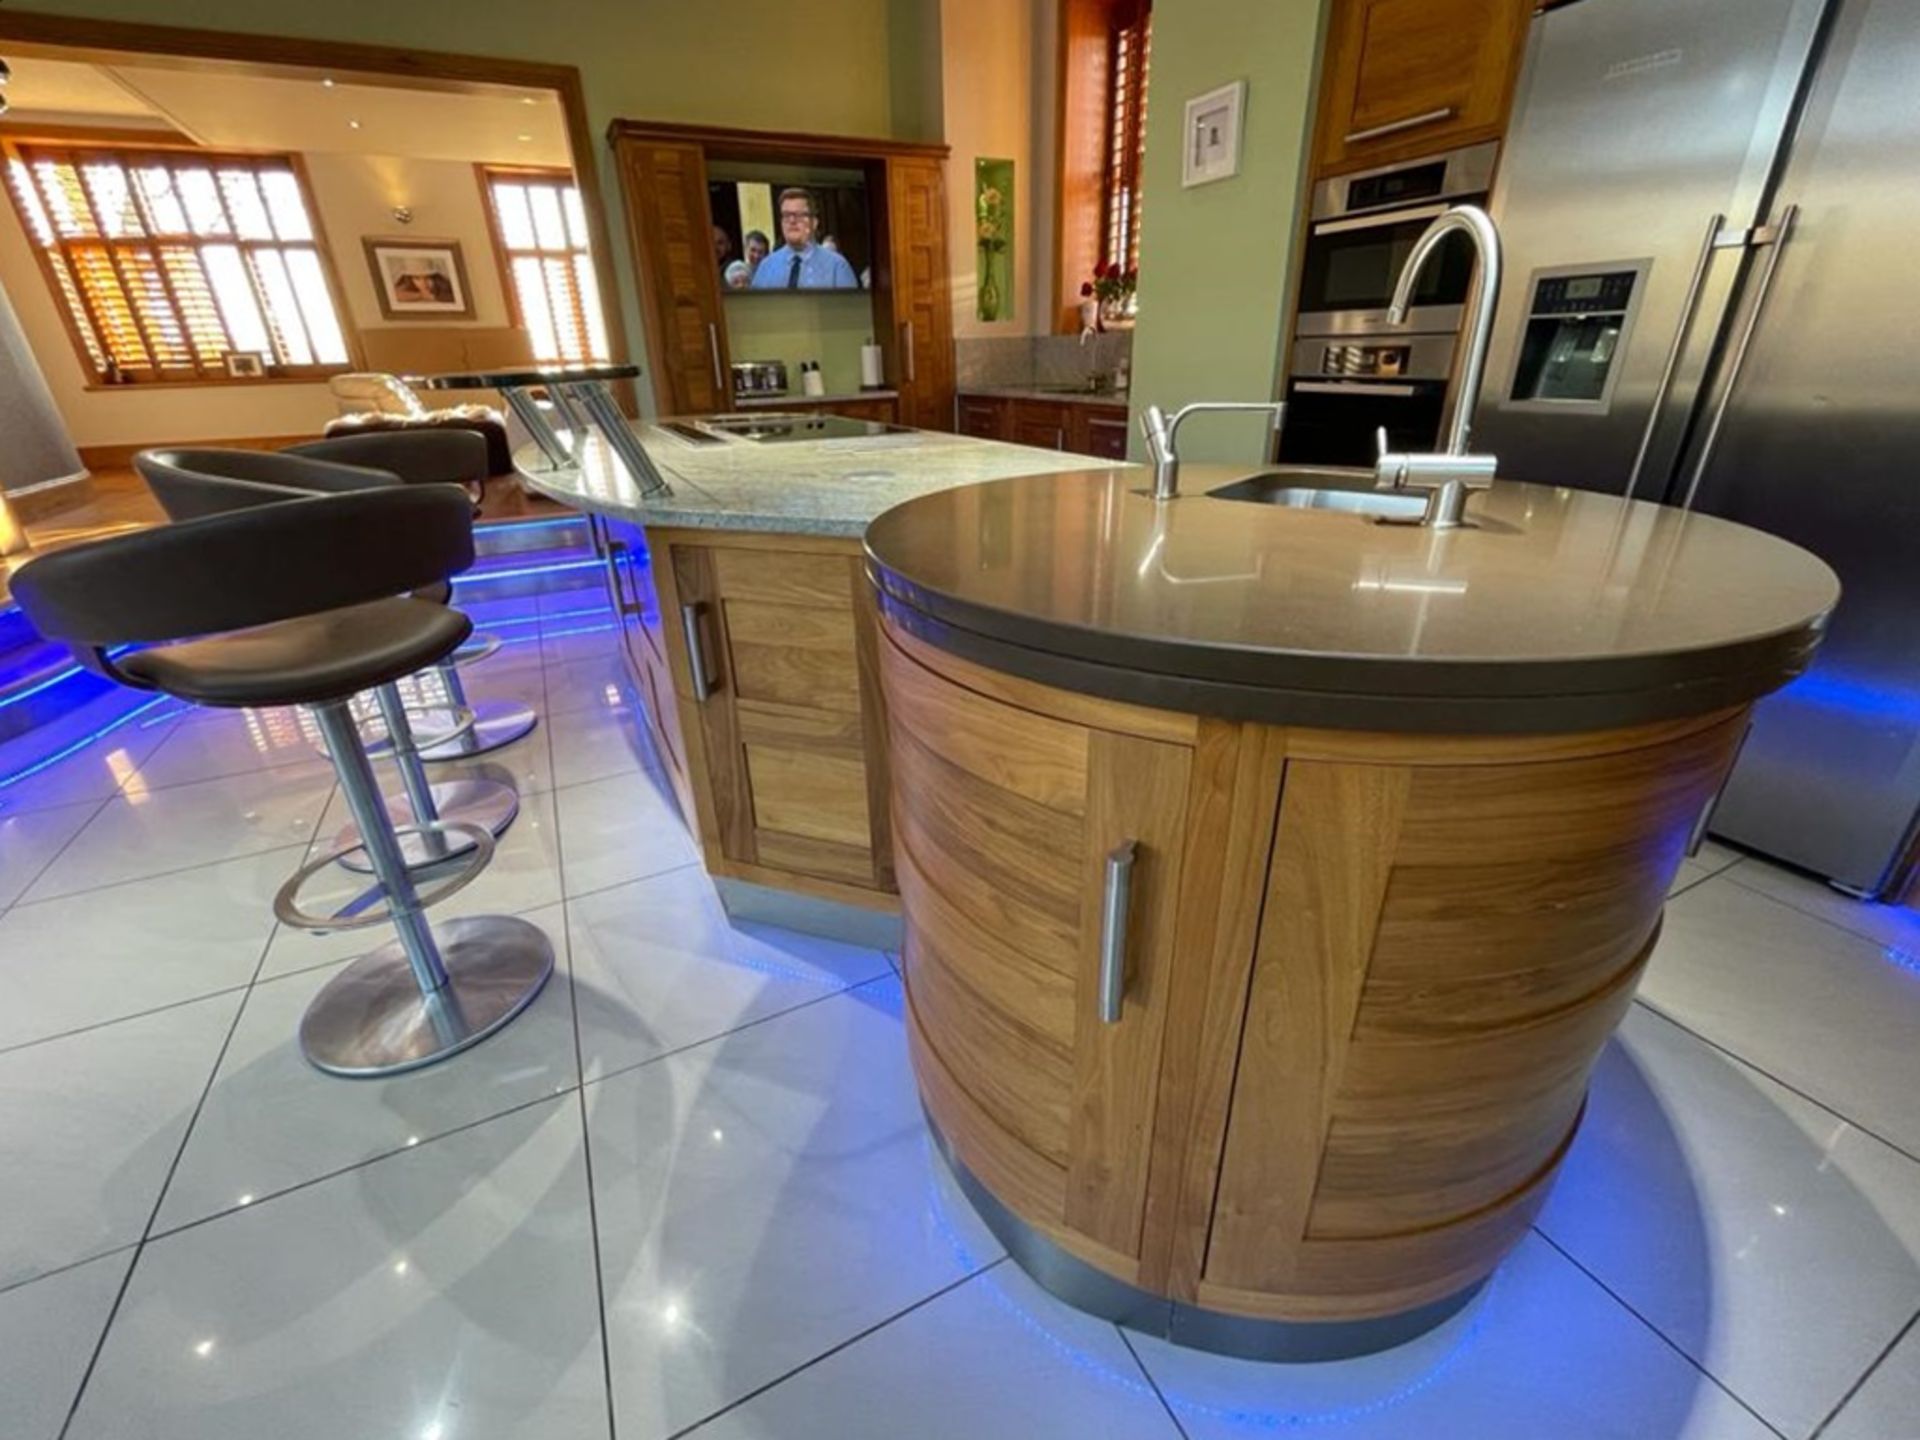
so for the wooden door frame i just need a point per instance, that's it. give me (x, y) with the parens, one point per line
(24, 31)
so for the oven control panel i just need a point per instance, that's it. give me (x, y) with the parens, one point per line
(1375, 361)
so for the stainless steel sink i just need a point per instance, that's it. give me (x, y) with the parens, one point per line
(1346, 494)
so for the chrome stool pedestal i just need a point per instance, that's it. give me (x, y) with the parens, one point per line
(467, 802)
(423, 996)
(496, 723)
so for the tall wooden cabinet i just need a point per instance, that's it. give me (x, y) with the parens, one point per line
(663, 174)
(1406, 78)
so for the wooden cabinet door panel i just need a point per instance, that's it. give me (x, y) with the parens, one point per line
(1405, 78)
(984, 417)
(666, 194)
(1102, 432)
(789, 778)
(922, 309)
(1005, 820)
(1042, 425)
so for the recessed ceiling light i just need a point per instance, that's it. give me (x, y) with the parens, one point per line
(528, 100)
(526, 137)
(353, 124)
(328, 82)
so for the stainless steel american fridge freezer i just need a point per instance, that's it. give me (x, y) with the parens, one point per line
(1712, 216)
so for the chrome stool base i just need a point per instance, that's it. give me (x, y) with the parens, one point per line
(496, 723)
(486, 803)
(372, 1019)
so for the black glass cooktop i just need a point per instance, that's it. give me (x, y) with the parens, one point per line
(791, 428)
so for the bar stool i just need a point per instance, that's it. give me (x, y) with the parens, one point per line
(432, 457)
(303, 603)
(194, 483)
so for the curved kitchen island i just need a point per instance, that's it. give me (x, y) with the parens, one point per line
(1273, 877)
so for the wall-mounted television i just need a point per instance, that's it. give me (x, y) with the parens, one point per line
(774, 235)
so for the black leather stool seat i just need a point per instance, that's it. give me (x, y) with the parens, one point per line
(306, 660)
(439, 593)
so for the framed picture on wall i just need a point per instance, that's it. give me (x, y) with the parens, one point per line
(1212, 149)
(419, 279)
(246, 364)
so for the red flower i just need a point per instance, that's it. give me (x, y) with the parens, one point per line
(1133, 278)
(1086, 289)
(1113, 270)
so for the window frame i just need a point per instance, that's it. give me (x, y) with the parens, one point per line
(128, 148)
(503, 256)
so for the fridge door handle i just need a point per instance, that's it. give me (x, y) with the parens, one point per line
(1782, 232)
(1665, 387)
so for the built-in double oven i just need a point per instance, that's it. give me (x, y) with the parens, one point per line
(1350, 372)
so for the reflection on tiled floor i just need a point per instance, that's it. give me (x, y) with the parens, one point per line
(690, 1190)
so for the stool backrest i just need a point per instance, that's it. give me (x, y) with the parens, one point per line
(192, 483)
(250, 567)
(423, 456)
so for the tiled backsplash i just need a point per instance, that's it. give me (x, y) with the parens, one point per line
(1039, 359)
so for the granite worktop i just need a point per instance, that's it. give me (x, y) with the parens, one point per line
(1115, 398)
(822, 487)
(1555, 610)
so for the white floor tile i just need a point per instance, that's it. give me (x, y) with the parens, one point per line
(597, 680)
(1887, 1407)
(47, 1333)
(445, 1292)
(1894, 926)
(1823, 1010)
(582, 640)
(762, 1199)
(84, 959)
(152, 832)
(972, 1363)
(599, 742)
(524, 875)
(231, 742)
(620, 829)
(272, 1121)
(581, 604)
(1727, 1210)
(657, 964)
(89, 1125)
(1543, 1353)
(1690, 873)
(29, 839)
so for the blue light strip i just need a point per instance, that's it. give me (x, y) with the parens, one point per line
(553, 569)
(49, 761)
(494, 527)
(53, 680)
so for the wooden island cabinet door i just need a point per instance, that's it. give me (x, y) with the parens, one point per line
(771, 676)
(1039, 861)
(922, 342)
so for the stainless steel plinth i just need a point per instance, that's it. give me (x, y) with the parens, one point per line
(373, 1018)
(495, 723)
(1098, 1293)
(486, 803)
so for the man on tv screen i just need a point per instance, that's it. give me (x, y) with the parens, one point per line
(799, 263)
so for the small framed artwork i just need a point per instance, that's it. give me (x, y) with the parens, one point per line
(420, 279)
(246, 364)
(1213, 135)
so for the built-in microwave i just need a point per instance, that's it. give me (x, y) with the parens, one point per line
(1362, 228)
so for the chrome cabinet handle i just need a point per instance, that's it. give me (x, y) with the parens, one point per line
(1739, 361)
(1394, 127)
(713, 349)
(1353, 387)
(616, 591)
(1665, 387)
(1114, 904)
(906, 329)
(696, 650)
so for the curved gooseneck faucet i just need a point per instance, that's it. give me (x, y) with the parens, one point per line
(1470, 220)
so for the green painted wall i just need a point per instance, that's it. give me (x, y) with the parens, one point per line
(1217, 261)
(804, 325)
(851, 67)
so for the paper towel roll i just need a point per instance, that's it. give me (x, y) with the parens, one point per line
(873, 369)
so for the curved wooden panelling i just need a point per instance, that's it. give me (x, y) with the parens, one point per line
(1370, 976)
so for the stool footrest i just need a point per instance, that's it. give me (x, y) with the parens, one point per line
(286, 904)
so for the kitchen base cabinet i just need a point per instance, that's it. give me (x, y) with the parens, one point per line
(770, 646)
(1075, 426)
(1274, 1024)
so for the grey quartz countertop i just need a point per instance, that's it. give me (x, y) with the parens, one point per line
(1557, 610)
(822, 487)
(1115, 398)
